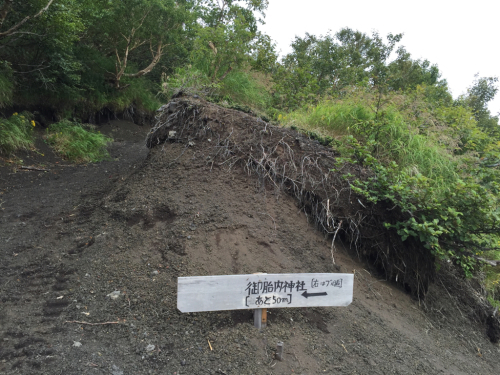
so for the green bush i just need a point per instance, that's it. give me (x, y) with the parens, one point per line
(187, 80)
(241, 88)
(394, 137)
(434, 164)
(73, 142)
(16, 133)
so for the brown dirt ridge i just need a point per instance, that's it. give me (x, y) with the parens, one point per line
(216, 191)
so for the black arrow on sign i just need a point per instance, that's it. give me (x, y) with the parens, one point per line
(305, 294)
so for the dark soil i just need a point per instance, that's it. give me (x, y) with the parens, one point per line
(71, 236)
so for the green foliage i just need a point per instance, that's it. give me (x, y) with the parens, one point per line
(227, 36)
(426, 162)
(139, 95)
(263, 56)
(327, 66)
(135, 34)
(16, 133)
(434, 159)
(40, 51)
(66, 63)
(240, 87)
(76, 143)
(82, 56)
(188, 80)
(492, 280)
(482, 91)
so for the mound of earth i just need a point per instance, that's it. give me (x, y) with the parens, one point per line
(91, 256)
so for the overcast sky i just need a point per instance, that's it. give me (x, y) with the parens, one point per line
(462, 38)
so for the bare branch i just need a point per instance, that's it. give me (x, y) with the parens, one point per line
(27, 32)
(124, 37)
(34, 169)
(91, 324)
(38, 68)
(123, 87)
(121, 64)
(118, 57)
(4, 11)
(156, 59)
(137, 44)
(493, 263)
(142, 19)
(226, 73)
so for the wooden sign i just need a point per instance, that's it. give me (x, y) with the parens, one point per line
(260, 291)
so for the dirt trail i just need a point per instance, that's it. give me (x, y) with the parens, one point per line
(72, 236)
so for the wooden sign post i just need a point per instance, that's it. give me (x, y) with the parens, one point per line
(260, 315)
(263, 291)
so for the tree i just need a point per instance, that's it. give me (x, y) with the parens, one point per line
(482, 91)
(144, 28)
(326, 65)
(9, 7)
(40, 59)
(226, 35)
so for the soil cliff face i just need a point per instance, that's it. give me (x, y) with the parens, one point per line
(292, 164)
(218, 192)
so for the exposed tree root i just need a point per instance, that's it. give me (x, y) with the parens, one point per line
(289, 162)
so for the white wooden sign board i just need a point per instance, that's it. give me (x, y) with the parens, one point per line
(259, 291)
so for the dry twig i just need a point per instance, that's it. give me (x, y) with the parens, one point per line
(34, 169)
(91, 324)
(333, 241)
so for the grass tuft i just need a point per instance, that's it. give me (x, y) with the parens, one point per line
(414, 153)
(73, 142)
(242, 88)
(16, 133)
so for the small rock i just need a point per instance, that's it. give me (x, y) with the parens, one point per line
(154, 273)
(114, 295)
(172, 134)
(150, 348)
(183, 362)
(172, 106)
(115, 370)
(191, 144)
(77, 344)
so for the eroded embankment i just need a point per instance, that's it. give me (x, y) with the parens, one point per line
(135, 224)
(305, 170)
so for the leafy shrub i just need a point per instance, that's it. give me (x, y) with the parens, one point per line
(240, 87)
(239, 90)
(433, 164)
(75, 143)
(16, 133)
(188, 80)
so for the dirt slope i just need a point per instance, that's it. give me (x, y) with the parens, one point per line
(72, 236)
